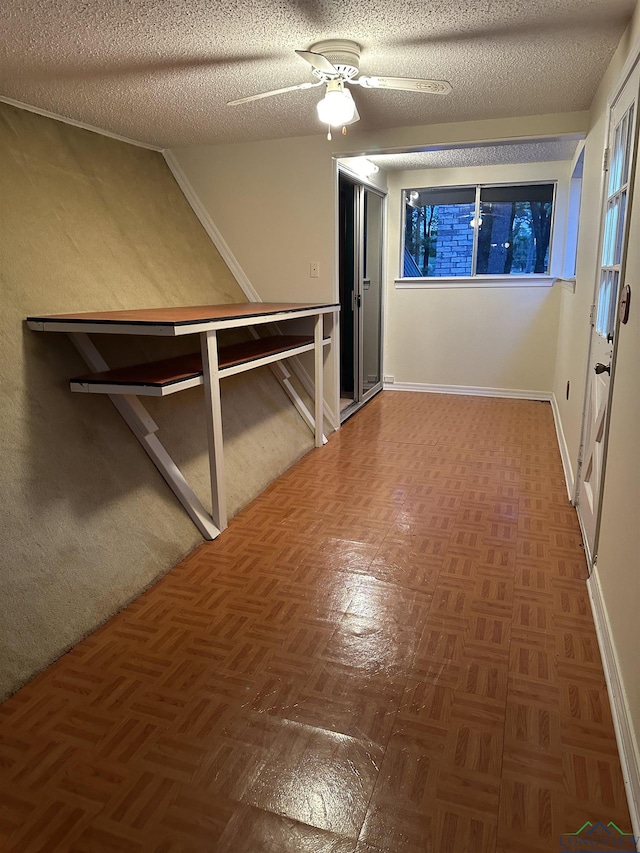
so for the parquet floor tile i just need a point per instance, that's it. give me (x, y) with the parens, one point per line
(391, 650)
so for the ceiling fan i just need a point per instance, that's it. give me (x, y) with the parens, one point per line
(336, 65)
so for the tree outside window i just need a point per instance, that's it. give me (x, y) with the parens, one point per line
(467, 231)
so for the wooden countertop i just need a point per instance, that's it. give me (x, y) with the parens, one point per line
(177, 316)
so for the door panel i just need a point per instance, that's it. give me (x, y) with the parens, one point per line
(604, 324)
(347, 282)
(361, 230)
(371, 303)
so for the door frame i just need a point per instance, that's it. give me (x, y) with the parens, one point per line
(382, 195)
(628, 69)
(343, 171)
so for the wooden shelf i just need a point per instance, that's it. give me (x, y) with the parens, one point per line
(170, 375)
(207, 367)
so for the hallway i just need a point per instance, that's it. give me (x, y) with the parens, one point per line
(391, 650)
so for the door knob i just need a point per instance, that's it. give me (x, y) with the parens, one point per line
(602, 368)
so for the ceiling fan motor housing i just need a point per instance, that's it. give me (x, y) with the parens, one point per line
(343, 54)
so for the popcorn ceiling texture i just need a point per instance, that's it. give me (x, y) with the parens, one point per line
(547, 151)
(89, 223)
(162, 72)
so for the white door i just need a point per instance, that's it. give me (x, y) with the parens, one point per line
(604, 321)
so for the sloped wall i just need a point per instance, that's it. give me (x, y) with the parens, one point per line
(89, 223)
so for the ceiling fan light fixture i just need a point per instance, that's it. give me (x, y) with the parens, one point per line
(337, 107)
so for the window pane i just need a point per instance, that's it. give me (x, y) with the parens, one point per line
(439, 232)
(511, 234)
(627, 150)
(615, 170)
(610, 230)
(621, 220)
(604, 296)
(519, 192)
(515, 230)
(441, 195)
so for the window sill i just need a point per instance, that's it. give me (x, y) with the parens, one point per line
(474, 282)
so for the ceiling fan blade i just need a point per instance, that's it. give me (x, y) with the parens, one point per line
(405, 84)
(273, 92)
(319, 62)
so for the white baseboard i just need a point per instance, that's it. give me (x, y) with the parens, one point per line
(627, 743)
(468, 390)
(564, 450)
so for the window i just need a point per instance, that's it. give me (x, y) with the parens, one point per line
(573, 218)
(614, 226)
(477, 231)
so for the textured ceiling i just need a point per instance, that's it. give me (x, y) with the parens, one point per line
(541, 151)
(161, 71)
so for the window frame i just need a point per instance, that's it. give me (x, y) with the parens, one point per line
(478, 279)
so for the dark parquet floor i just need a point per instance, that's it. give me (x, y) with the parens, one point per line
(391, 650)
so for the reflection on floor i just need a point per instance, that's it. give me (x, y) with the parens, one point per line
(390, 650)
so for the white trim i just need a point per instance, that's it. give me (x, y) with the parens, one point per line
(473, 281)
(564, 449)
(318, 374)
(351, 173)
(74, 123)
(140, 389)
(583, 532)
(247, 288)
(144, 428)
(337, 344)
(213, 407)
(468, 390)
(622, 723)
(209, 226)
(567, 284)
(578, 153)
(627, 70)
(307, 383)
(467, 143)
(88, 387)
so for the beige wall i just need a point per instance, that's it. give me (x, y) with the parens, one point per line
(294, 182)
(87, 522)
(273, 203)
(484, 338)
(488, 337)
(619, 551)
(573, 338)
